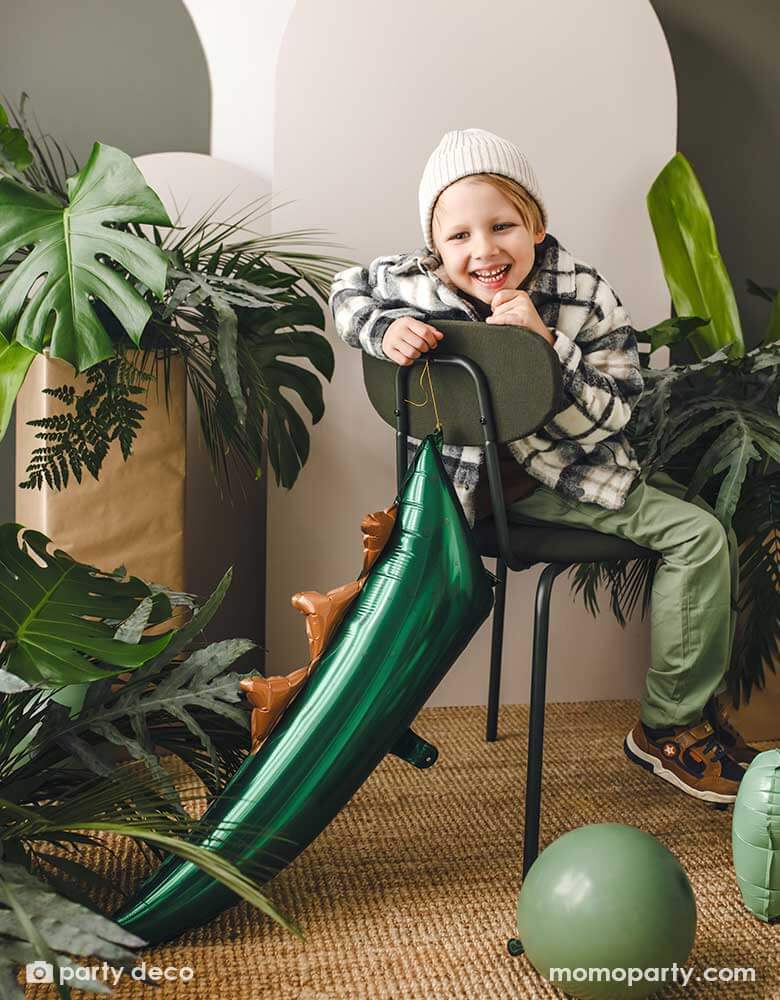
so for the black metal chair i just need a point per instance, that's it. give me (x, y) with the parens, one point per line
(495, 384)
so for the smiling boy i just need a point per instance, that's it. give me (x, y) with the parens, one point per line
(488, 257)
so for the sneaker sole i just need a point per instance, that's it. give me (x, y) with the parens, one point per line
(651, 763)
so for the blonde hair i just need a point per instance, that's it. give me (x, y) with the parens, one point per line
(526, 205)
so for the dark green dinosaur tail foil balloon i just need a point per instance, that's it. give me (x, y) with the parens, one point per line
(421, 603)
(755, 836)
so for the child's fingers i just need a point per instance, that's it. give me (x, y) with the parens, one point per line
(395, 355)
(409, 350)
(507, 295)
(420, 344)
(428, 333)
(511, 305)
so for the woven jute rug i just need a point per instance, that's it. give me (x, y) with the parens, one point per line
(411, 892)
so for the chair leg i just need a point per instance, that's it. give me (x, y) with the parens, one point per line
(533, 785)
(496, 645)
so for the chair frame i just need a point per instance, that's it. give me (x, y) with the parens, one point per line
(506, 559)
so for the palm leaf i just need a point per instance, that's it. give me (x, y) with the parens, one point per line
(757, 639)
(625, 581)
(44, 921)
(48, 171)
(70, 246)
(146, 817)
(53, 612)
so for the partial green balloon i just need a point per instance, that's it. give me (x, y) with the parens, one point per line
(755, 836)
(422, 601)
(606, 897)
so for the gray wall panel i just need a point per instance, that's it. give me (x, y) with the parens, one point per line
(129, 74)
(728, 84)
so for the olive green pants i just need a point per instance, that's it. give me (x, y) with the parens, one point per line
(693, 616)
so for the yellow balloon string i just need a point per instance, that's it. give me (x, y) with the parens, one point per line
(427, 371)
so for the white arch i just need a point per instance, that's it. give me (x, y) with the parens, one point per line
(241, 39)
(364, 91)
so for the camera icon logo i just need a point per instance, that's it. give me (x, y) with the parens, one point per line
(39, 972)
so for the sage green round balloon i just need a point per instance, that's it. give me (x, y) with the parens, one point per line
(606, 897)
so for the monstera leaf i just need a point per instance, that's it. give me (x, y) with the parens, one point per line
(46, 301)
(54, 614)
(274, 335)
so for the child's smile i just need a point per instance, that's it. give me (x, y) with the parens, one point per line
(494, 277)
(482, 239)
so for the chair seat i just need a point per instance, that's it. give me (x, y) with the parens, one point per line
(541, 542)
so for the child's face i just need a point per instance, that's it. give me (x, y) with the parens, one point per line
(476, 230)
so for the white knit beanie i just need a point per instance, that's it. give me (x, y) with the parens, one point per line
(472, 151)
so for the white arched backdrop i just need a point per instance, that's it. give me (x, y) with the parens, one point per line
(361, 94)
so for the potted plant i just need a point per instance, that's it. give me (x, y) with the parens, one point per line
(93, 272)
(713, 425)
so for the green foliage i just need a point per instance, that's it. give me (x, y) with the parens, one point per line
(15, 154)
(224, 282)
(153, 699)
(708, 420)
(772, 295)
(694, 270)
(36, 923)
(669, 331)
(757, 642)
(714, 426)
(248, 314)
(15, 361)
(54, 612)
(83, 253)
(62, 788)
(80, 438)
(626, 583)
(48, 170)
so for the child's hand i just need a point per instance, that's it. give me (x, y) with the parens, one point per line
(514, 307)
(407, 338)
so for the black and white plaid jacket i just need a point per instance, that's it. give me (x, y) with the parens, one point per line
(582, 451)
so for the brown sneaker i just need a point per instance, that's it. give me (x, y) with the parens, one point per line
(736, 747)
(688, 757)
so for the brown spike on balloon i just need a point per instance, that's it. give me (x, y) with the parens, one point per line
(270, 696)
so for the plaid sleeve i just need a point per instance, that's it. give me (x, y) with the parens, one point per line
(361, 316)
(601, 373)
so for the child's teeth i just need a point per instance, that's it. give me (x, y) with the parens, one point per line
(488, 275)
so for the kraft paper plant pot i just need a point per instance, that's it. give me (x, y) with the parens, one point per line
(134, 514)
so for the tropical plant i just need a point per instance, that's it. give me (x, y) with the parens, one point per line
(62, 785)
(93, 272)
(713, 425)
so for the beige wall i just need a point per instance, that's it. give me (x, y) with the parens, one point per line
(588, 92)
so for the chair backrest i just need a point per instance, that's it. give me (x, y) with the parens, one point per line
(521, 369)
